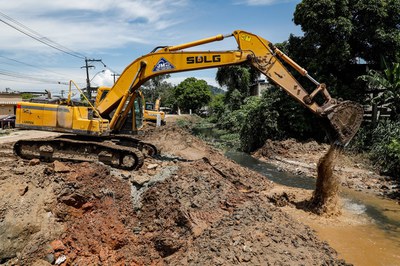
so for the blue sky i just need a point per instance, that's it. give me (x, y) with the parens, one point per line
(120, 31)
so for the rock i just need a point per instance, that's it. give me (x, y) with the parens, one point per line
(384, 187)
(87, 206)
(137, 230)
(50, 258)
(23, 190)
(57, 245)
(125, 176)
(34, 162)
(48, 171)
(60, 167)
(152, 166)
(19, 171)
(140, 180)
(60, 259)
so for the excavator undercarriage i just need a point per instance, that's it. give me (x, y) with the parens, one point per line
(118, 151)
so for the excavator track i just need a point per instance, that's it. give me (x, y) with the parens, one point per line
(66, 149)
(128, 140)
(146, 148)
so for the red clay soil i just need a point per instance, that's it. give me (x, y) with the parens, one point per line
(190, 206)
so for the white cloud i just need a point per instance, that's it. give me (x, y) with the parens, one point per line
(103, 79)
(263, 2)
(85, 25)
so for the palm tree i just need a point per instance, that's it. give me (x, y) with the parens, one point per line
(388, 84)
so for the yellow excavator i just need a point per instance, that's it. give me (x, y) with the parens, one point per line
(152, 112)
(103, 131)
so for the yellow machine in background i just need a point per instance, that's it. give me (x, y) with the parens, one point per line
(61, 117)
(98, 130)
(152, 111)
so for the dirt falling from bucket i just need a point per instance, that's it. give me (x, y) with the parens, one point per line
(325, 197)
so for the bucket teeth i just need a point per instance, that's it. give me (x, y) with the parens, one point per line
(345, 119)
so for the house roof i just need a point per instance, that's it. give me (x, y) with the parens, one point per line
(8, 102)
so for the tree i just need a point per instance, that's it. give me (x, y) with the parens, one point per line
(155, 87)
(217, 105)
(340, 33)
(237, 80)
(192, 94)
(259, 123)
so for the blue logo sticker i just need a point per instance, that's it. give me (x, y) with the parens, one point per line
(163, 64)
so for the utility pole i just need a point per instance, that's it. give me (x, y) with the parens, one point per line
(87, 66)
(115, 75)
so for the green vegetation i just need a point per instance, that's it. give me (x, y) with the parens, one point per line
(341, 38)
(27, 96)
(341, 41)
(192, 94)
(385, 147)
(387, 85)
(158, 87)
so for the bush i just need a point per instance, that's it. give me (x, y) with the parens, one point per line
(362, 140)
(385, 149)
(260, 123)
(231, 120)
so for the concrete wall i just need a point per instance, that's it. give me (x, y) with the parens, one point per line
(7, 109)
(8, 103)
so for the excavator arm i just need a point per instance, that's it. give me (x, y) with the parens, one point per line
(344, 117)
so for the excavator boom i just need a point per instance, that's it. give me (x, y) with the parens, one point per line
(344, 118)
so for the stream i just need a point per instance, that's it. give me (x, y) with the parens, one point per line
(375, 242)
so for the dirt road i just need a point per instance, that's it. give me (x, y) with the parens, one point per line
(14, 135)
(190, 206)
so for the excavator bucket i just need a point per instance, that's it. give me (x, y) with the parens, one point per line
(345, 119)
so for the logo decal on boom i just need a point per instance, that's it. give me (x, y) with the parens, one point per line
(162, 64)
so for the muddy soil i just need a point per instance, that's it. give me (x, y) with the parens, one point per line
(189, 206)
(354, 171)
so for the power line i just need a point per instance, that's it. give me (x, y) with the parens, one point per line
(26, 64)
(46, 41)
(38, 37)
(26, 77)
(22, 81)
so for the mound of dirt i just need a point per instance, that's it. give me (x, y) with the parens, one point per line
(189, 206)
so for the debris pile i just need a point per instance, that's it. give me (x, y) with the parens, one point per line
(189, 206)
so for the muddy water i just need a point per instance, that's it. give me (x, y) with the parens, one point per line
(368, 232)
(375, 241)
(325, 197)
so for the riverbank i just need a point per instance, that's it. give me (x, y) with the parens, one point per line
(354, 171)
(366, 231)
